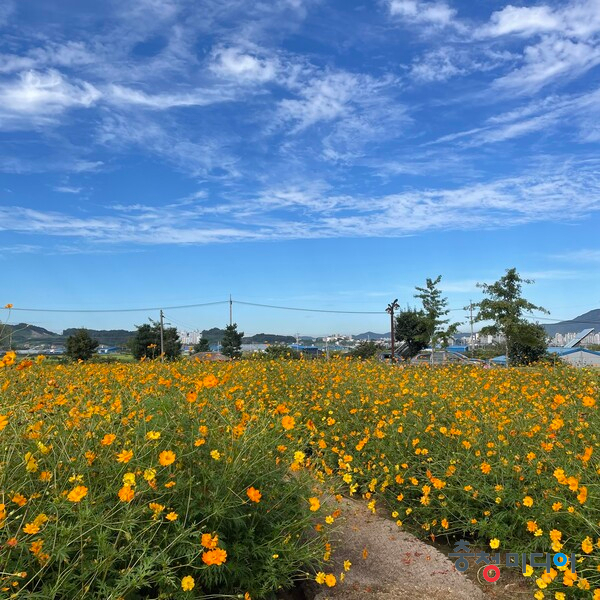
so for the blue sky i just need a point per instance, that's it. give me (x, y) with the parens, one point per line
(314, 153)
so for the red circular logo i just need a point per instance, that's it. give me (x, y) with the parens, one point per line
(491, 573)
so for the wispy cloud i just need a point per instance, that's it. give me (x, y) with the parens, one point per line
(438, 14)
(66, 189)
(314, 212)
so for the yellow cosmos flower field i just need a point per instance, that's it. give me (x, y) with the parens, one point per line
(189, 479)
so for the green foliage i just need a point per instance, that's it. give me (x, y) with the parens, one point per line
(146, 342)
(275, 351)
(231, 344)
(366, 349)
(80, 346)
(202, 345)
(412, 328)
(528, 343)
(439, 330)
(505, 307)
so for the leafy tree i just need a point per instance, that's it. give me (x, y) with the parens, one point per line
(80, 346)
(505, 307)
(276, 351)
(203, 345)
(231, 344)
(439, 329)
(528, 343)
(366, 349)
(146, 342)
(412, 328)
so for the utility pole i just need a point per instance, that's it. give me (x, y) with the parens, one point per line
(390, 309)
(230, 311)
(471, 319)
(162, 336)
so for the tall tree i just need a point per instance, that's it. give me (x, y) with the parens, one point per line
(80, 346)
(505, 308)
(202, 345)
(411, 329)
(439, 329)
(146, 342)
(231, 345)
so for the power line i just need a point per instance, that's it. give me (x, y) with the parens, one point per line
(318, 310)
(116, 310)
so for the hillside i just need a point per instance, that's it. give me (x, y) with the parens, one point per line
(369, 335)
(26, 334)
(584, 321)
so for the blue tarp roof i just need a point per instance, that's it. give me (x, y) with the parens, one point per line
(561, 351)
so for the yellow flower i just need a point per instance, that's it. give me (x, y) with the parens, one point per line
(330, 580)
(314, 504)
(153, 435)
(166, 458)
(347, 565)
(320, 577)
(187, 583)
(172, 516)
(31, 465)
(77, 493)
(129, 478)
(299, 456)
(494, 543)
(149, 474)
(3, 421)
(528, 501)
(215, 454)
(528, 571)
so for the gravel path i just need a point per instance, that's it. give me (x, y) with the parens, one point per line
(397, 566)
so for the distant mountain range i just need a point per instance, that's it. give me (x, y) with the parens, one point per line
(369, 335)
(24, 334)
(585, 321)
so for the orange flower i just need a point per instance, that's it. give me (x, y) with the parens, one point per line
(253, 494)
(124, 456)
(314, 504)
(172, 516)
(166, 458)
(3, 421)
(126, 493)
(31, 528)
(77, 493)
(19, 499)
(288, 422)
(209, 541)
(108, 439)
(214, 557)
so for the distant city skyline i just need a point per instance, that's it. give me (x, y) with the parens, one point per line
(327, 154)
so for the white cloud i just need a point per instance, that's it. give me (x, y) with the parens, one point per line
(42, 94)
(416, 11)
(552, 58)
(121, 95)
(522, 20)
(584, 255)
(66, 189)
(243, 66)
